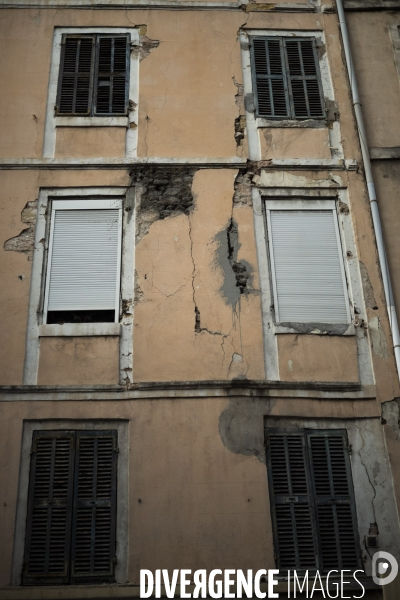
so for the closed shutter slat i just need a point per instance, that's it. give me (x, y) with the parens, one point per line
(303, 77)
(308, 270)
(76, 76)
(84, 265)
(49, 508)
(335, 502)
(295, 536)
(271, 92)
(93, 542)
(112, 71)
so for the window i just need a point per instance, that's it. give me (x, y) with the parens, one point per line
(286, 78)
(84, 261)
(94, 75)
(312, 500)
(307, 268)
(71, 522)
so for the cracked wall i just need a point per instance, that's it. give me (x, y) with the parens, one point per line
(186, 326)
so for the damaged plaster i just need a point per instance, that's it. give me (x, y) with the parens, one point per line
(369, 296)
(242, 186)
(237, 275)
(378, 338)
(25, 240)
(146, 45)
(241, 426)
(162, 192)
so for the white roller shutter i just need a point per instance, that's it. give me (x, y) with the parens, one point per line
(307, 266)
(84, 256)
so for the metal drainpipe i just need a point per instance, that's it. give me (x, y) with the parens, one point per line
(371, 188)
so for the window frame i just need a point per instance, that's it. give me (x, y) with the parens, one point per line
(286, 77)
(296, 203)
(306, 434)
(82, 204)
(94, 75)
(72, 506)
(123, 474)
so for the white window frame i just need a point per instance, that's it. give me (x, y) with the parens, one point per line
(84, 205)
(129, 123)
(124, 328)
(303, 205)
(122, 520)
(253, 124)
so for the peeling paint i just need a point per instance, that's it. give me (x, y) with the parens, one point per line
(146, 45)
(369, 296)
(378, 338)
(237, 275)
(25, 240)
(162, 192)
(242, 186)
(241, 426)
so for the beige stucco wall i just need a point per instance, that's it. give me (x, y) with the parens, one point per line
(377, 76)
(89, 142)
(79, 360)
(317, 358)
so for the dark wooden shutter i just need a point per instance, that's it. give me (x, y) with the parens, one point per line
(112, 70)
(303, 75)
(95, 494)
(47, 545)
(292, 516)
(269, 78)
(76, 76)
(333, 489)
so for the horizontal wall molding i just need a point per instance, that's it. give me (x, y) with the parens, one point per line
(118, 163)
(191, 390)
(385, 153)
(371, 4)
(290, 7)
(201, 163)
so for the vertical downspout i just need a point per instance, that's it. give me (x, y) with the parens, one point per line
(371, 188)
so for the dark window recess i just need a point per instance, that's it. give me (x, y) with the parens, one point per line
(94, 75)
(71, 520)
(59, 317)
(312, 500)
(286, 78)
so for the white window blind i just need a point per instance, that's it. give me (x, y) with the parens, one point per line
(84, 258)
(307, 264)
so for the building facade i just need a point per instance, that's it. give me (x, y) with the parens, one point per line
(197, 368)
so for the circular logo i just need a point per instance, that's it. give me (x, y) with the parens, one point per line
(384, 568)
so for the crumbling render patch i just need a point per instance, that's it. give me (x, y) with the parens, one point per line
(378, 338)
(24, 241)
(240, 125)
(367, 287)
(146, 45)
(241, 426)
(237, 275)
(138, 293)
(161, 192)
(242, 194)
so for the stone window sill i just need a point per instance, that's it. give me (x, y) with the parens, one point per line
(92, 122)
(80, 330)
(316, 328)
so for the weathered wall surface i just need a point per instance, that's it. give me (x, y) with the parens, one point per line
(78, 360)
(88, 142)
(317, 358)
(18, 196)
(377, 76)
(191, 316)
(195, 496)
